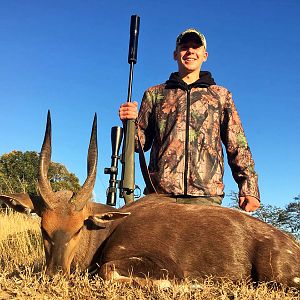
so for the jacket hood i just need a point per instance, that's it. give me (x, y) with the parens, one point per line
(175, 81)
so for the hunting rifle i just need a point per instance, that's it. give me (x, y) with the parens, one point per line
(126, 184)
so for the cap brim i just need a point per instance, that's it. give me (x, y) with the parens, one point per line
(188, 37)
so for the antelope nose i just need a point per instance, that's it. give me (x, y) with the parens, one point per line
(52, 270)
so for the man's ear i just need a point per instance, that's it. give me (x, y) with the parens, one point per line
(22, 202)
(101, 219)
(205, 56)
(175, 55)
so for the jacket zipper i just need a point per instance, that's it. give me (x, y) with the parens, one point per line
(187, 140)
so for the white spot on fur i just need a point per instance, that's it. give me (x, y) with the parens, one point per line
(122, 247)
(115, 276)
(245, 212)
(289, 251)
(163, 284)
(296, 279)
(267, 236)
(136, 258)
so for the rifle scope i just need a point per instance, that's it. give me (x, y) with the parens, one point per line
(116, 138)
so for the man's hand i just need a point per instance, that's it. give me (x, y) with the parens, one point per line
(128, 111)
(249, 203)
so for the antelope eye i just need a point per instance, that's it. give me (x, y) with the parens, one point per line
(77, 232)
(45, 234)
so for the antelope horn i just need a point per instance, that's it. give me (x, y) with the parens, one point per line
(81, 198)
(44, 162)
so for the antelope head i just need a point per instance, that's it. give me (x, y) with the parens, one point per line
(63, 213)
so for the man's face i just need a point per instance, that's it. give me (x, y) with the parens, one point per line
(190, 55)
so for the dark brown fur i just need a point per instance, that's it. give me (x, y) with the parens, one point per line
(163, 238)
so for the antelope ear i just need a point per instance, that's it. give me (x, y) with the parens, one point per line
(21, 202)
(101, 219)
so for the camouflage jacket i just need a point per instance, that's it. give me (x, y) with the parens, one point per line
(185, 125)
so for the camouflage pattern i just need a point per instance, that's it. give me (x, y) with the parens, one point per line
(213, 119)
(188, 31)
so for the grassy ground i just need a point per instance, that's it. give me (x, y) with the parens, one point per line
(22, 275)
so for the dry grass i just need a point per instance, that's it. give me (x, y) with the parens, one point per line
(22, 275)
(20, 242)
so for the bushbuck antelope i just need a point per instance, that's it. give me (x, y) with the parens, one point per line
(154, 236)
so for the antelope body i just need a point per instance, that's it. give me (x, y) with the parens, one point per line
(154, 236)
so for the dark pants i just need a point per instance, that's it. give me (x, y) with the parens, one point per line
(204, 200)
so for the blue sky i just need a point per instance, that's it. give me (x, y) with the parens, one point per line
(71, 57)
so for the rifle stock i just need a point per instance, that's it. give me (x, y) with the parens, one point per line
(128, 169)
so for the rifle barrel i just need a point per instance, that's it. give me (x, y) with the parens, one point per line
(127, 181)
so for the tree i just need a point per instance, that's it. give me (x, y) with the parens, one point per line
(19, 172)
(286, 219)
(292, 217)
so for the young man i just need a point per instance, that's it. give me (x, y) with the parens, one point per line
(184, 121)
